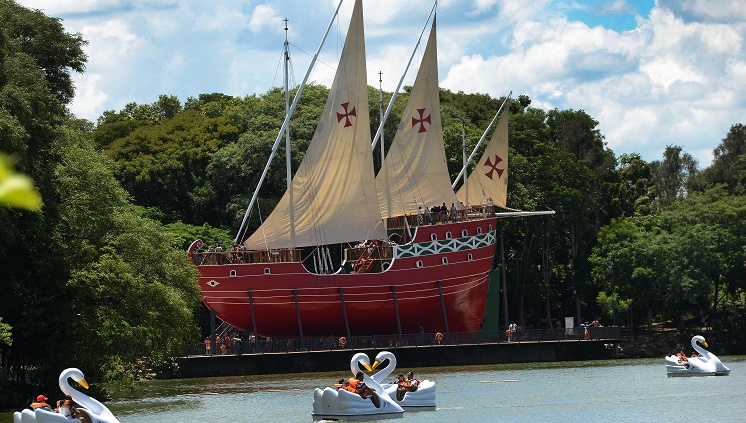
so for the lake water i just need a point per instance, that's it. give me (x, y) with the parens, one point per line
(595, 391)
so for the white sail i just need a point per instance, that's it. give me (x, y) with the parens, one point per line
(488, 182)
(334, 188)
(415, 171)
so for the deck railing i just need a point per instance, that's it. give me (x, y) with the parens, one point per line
(382, 250)
(330, 343)
(242, 256)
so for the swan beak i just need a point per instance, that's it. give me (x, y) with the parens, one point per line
(367, 366)
(375, 364)
(83, 383)
(705, 344)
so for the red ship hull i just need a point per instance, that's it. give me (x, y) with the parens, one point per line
(436, 283)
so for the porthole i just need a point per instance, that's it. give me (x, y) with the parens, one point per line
(479, 231)
(266, 271)
(213, 283)
(464, 233)
(419, 263)
(433, 237)
(444, 260)
(448, 235)
(490, 227)
(233, 272)
(470, 257)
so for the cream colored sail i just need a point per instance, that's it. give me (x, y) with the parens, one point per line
(415, 172)
(334, 187)
(488, 182)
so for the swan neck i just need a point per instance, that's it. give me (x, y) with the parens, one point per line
(699, 349)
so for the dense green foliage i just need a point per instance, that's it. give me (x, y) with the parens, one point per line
(557, 266)
(87, 280)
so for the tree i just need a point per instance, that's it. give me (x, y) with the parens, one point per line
(729, 162)
(44, 40)
(671, 175)
(85, 280)
(163, 165)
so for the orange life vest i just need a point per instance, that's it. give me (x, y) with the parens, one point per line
(35, 405)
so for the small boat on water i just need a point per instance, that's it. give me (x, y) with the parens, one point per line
(422, 399)
(89, 408)
(340, 404)
(705, 364)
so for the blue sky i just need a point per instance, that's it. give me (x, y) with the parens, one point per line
(653, 73)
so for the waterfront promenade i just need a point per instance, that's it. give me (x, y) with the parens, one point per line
(277, 356)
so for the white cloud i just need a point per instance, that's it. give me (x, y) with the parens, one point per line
(675, 79)
(62, 7)
(708, 10)
(220, 17)
(89, 97)
(264, 17)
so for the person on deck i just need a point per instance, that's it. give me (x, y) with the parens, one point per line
(512, 328)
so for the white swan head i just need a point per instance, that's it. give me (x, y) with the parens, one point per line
(383, 356)
(380, 358)
(74, 374)
(700, 339)
(357, 359)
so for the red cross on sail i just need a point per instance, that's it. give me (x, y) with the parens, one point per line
(346, 115)
(493, 167)
(421, 120)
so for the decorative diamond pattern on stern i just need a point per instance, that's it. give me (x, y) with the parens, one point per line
(445, 246)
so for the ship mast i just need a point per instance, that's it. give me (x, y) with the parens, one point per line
(383, 155)
(286, 59)
(463, 155)
(286, 122)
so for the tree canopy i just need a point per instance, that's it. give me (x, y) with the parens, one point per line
(86, 278)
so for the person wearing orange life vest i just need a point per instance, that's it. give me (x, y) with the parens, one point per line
(66, 408)
(413, 383)
(41, 404)
(359, 387)
(401, 389)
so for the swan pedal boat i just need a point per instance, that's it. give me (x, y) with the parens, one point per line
(333, 404)
(97, 412)
(707, 364)
(423, 399)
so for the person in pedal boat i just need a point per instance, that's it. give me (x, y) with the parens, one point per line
(364, 390)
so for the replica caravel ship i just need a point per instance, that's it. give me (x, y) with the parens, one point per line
(405, 268)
